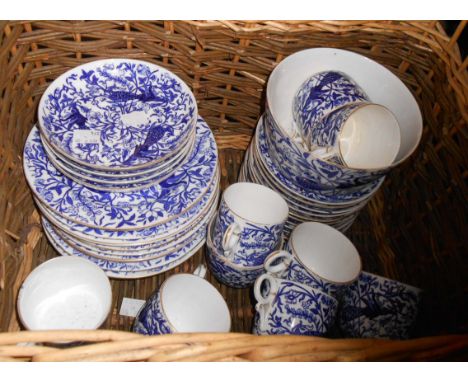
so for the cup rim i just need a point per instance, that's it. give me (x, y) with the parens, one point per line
(258, 186)
(294, 253)
(164, 284)
(360, 105)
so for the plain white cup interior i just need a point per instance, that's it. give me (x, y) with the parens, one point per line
(381, 86)
(191, 304)
(256, 203)
(65, 293)
(326, 252)
(370, 138)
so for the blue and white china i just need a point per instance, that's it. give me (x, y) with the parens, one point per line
(123, 211)
(124, 270)
(117, 113)
(65, 293)
(321, 94)
(359, 136)
(377, 307)
(136, 254)
(302, 167)
(136, 237)
(288, 307)
(105, 183)
(226, 272)
(184, 303)
(336, 196)
(121, 175)
(249, 223)
(380, 85)
(319, 256)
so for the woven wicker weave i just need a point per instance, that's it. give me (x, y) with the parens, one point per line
(413, 230)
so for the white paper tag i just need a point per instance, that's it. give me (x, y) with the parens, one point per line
(85, 137)
(130, 307)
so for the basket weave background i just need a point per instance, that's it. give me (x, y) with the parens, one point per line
(413, 230)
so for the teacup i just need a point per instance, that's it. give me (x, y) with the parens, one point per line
(319, 256)
(378, 307)
(226, 272)
(185, 303)
(360, 136)
(65, 293)
(288, 307)
(249, 223)
(322, 93)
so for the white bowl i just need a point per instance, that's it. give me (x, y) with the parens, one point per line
(381, 86)
(65, 293)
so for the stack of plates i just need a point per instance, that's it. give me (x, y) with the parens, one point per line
(336, 207)
(122, 169)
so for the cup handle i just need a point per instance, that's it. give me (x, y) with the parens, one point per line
(231, 239)
(200, 271)
(264, 303)
(278, 269)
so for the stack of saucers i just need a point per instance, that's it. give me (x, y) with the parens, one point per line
(310, 96)
(121, 167)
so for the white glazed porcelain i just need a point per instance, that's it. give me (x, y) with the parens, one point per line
(317, 255)
(381, 86)
(65, 293)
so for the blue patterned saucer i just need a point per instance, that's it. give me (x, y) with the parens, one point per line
(147, 252)
(135, 238)
(121, 178)
(137, 269)
(123, 211)
(117, 114)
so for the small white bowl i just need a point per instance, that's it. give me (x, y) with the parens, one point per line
(65, 293)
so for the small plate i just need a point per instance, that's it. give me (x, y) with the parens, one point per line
(117, 113)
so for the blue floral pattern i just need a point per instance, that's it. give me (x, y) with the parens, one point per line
(376, 307)
(123, 211)
(234, 277)
(105, 183)
(135, 269)
(321, 94)
(138, 112)
(268, 139)
(298, 310)
(256, 241)
(150, 320)
(299, 165)
(138, 236)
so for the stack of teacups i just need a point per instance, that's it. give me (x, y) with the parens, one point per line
(336, 122)
(300, 292)
(247, 228)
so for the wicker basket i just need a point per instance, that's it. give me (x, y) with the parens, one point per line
(414, 229)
